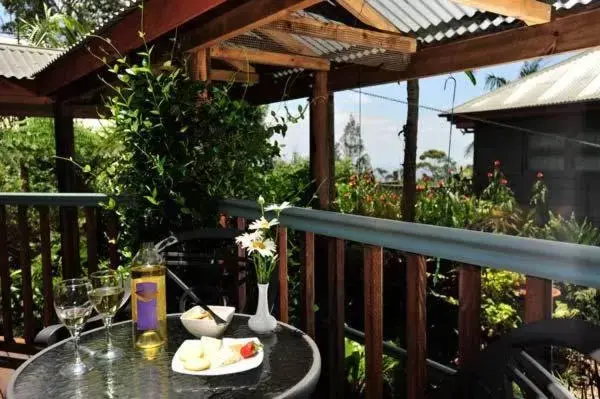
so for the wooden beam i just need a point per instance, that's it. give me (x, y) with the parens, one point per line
(368, 15)
(220, 75)
(270, 58)
(159, 18)
(288, 42)
(246, 17)
(531, 11)
(561, 35)
(241, 66)
(416, 326)
(334, 31)
(373, 305)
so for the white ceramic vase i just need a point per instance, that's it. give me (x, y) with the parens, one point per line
(262, 322)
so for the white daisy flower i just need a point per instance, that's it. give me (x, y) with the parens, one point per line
(278, 208)
(246, 239)
(263, 247)
(263, 224)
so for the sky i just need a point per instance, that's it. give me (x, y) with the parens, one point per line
(381, 120)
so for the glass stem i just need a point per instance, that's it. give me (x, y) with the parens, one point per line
(108, 324)
(76, 342)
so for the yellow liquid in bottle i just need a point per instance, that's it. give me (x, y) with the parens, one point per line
(149, 306)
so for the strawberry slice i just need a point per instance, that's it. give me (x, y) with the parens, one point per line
(249, 350)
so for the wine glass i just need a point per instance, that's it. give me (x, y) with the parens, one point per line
(106, 295)
(73, 307)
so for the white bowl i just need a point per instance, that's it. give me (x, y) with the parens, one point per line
(207, 327)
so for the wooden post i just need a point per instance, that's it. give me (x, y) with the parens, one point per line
(336, 308)
(5, 280)
(26, 287)
(308, 286)
(48, 314)
(283, 274)
(91, 231)
(538, 299)
(201, 67)
(66, 178)
(416, 326)
(469, 313)
(373, 310)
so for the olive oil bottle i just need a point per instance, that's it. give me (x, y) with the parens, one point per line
(148, 298)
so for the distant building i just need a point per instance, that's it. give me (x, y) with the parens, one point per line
(561, 101)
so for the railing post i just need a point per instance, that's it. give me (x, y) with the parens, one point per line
(336, 292)
(538, 299)
(469, 313)
(5, 280)
(283, 274)
(25, 261)
(416, 326)
(373, 310)
(308, 286)
(48, 313)
(91, 233)
(241, 273)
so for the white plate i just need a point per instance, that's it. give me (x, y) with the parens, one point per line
(242, 365)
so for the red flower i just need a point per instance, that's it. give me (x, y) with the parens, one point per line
(496, 163)
(420, 187)
(395, 197)
(504, 182)
(441, 183)
(426, 178)
(539, 175)
(369, 198)
(382, 197)
(490, 175)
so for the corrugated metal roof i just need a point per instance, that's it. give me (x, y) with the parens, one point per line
(576, 79)
(21, 62)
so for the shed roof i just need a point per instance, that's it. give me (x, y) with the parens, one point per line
(22, 62)
(576, 79)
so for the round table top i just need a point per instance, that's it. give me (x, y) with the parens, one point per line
(291, 368)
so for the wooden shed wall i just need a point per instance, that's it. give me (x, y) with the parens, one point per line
(574, 187)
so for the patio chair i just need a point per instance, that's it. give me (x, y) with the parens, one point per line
(508, 363)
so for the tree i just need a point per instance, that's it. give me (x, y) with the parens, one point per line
(493, 82)
(352, 146)
(409, 175)
(436, 164)
(86, 13)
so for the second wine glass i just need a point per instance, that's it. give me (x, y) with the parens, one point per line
(106, 295)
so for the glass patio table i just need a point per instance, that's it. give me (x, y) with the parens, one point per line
(291, 368)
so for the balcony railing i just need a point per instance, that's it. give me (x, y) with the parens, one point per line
(541, 260)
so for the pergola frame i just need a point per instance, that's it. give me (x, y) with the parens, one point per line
(68, 88)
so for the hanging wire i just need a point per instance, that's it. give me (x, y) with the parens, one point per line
(490, 122)
(451, 118)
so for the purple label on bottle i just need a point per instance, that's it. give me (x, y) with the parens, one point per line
(146, 306)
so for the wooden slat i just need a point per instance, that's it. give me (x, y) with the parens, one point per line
(306, 26)
(220, 75)
(270, 58)
(25, 263)
(336, 298)
(5, 279)
(241, 273)
(159, 17)
(531, 11)
(469, 311)
(373, 310)
(91, 232)
(288, 42)
(416, 326)
(538, 299)
(70, 242)
(308, 286)
(364, 12)
(112, 231)
(241, 66)
(283, 274)
(243, 18)
(46, 249)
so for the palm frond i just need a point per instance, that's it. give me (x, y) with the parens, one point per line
(530, 67)
(493, 82)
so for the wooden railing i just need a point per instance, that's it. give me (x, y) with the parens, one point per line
(69, 207)
(540, 260)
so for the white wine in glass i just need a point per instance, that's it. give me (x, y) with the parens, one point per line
(73, 307)
(106, 295)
